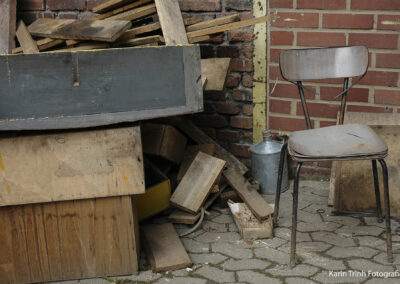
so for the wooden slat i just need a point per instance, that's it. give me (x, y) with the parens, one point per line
(171, 21)
(190, 154)
(192, 20)
(107, 31)
(142, 40)
(216, 71)
(84, 46)
(227, 27)
(42, 44)
(260, 208)
(164, 248)
(197, 183)
(109, 5)
(135, 14)
(132, 33)
(8, 20)
(193, 40)
(69, 166)
(121, 9)
(212, 23)
(25, 39)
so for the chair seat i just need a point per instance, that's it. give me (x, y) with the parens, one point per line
(339, 142)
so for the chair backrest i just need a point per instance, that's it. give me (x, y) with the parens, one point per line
(323, 63)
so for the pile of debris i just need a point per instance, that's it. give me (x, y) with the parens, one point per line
(124, 23)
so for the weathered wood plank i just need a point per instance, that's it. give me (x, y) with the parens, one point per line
(129, 34)
(42, 44)
(8, 21)
(70, 166)
(121, 9)
(109, 5)
(135, 14)
(260, 208)
(216, 71)
(171, 22)
(84, 46)
(156, 39)
(212, 23)
(164, 248)
(99, 30)
(197, 183)
(189, 156)
(25, 39)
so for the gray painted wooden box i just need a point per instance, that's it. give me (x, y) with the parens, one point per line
(100, 87)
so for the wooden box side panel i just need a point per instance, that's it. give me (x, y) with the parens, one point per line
(68, 240)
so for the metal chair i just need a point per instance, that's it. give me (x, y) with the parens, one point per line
(333, 143)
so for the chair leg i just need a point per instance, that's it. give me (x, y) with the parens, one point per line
(377, 195)
(387, 217)
(279, 183)
(294, 216)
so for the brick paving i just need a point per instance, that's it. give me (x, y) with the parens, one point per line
(325, 243)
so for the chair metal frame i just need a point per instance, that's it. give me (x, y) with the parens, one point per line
(288, 60)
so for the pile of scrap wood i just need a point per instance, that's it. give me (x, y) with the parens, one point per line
(124, 23)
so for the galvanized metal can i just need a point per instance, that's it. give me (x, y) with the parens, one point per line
(265, 157)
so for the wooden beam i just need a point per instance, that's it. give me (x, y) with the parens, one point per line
(122, 9)
(42, 44)
(171, 21)
(227, 27)
(8, 21)
(25, 39)
(213, 23)
(99, 30)
(111, 4)
(135, 14)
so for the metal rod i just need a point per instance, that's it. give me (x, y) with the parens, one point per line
(279, 183)
(294, 216)
(344, 98)
(387, 217)
(377, 194)
(304, 104)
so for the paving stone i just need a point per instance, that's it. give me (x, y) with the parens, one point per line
(215, 274)
(321, 261)
(307, 247)
(181, 280)
(194, 246)
(286, 233)
(299, 270)
(317, 227)
(260, 243)
(213, 258)
(180, 272)
(343, 220)
(209, 226)
(325, 277)
(245, 264)
(66, 282)
(272, 255)
(196, 233)
(213, 237)
(359, 231)
(230, 249)
(232, 227)
(374, 221)
(395, 246)
(382, 258)
(256, 277)
(364, 252)
(223, 219)
(213, 214)
(94, 281)
(332, 238)
(365, 265)
(369, 241)
(298, 280)
(315, 207)
(394, 280)
(308, 217)
(143, 276)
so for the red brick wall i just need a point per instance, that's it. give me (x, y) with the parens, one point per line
(228, 115)
(313, 23)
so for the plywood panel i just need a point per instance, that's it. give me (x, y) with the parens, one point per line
(71, 165)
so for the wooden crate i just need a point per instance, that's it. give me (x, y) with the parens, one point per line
(68, 240)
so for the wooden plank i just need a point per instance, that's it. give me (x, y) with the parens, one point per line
(212, 23)
(260, 208)
(216, 71)
(171, 21)
(8, 20)
(25, 39)
(122, 9)
(135, 14)
(192, 20)
(84, 46)
(132, 33)
(71, 165)
(190, 154)
(142, 40)
(109, 5)
(227, 27)
(107, 31)
(199, 39)
(66, 98)
(164, 248)
(42, 44)
(197, 183)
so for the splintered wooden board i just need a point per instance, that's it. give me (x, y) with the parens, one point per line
(171, 22)
(25, 39)
(68, 240)
(354, 184)
(213, 23)
(164, 248)
(260, 208)
(70, 166)
(197, 183)
(99, 30)
(190, 154)
(216, 71)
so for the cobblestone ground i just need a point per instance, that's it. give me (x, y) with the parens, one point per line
(325, 243)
